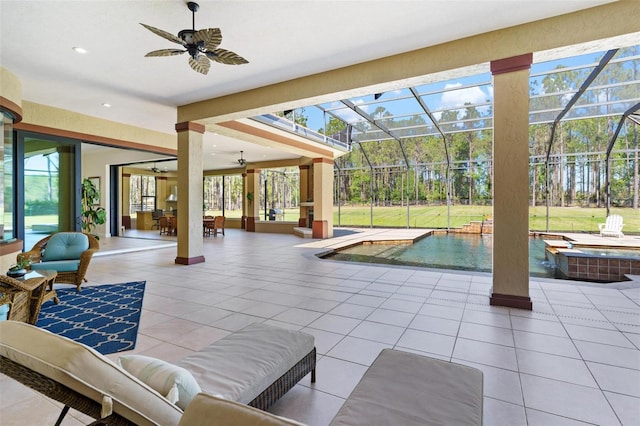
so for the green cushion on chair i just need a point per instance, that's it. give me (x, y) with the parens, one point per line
(57, 265)
(65, 246)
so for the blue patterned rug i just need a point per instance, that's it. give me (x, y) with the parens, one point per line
(104, 317)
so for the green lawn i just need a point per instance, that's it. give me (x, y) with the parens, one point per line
(568, 219)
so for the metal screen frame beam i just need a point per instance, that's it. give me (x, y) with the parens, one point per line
(585, 85)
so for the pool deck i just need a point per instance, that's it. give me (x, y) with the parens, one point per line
(595, 240)
(346, 237)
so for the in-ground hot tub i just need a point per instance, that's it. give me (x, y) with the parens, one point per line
(601, 264)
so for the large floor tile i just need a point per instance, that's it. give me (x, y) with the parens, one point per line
(486, 353)
(545, 343)
(486, 333)
(626, 407)
(335, 324)
(387, 316)
(616, 379)
(352, 310)
(611, 355)
(303, 404)
(377, 332)
(297, 316)
(487, 318)
(356, 350)
(435, 310)
(435, 325)
(324, 340)
(499, 413)
(567, 400)
(552, 328)
(555, 367)
(337, 377)
(539, 418)
(427, 342)
(597, 335)
(498, 383)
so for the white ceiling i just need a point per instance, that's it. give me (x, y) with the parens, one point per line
(281, 40)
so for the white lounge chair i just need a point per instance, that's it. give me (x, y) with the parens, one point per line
(613, 226)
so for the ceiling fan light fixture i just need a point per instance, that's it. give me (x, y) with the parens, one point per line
(202, 45)
(241, 160)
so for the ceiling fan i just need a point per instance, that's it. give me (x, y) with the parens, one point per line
(241, 160)
(202, 45)
(154, 169)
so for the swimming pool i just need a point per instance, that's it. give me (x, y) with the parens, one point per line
(466, 252)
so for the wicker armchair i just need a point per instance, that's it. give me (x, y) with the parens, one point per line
(218, 225)
(75, 276)
(23, 297)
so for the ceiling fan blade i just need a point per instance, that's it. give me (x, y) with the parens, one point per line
(165, 52)
(212, 37)
(226, 57)
(200, 65)
(163, 34)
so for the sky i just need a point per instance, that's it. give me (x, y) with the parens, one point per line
(442, 95)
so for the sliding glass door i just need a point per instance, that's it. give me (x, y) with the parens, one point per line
(50, 179)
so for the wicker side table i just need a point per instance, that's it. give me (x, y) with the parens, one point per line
(26, 295)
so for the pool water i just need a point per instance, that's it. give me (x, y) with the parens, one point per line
(467, 252)
(627, 254)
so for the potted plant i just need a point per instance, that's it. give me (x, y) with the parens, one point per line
(20, 268)
(92, 214)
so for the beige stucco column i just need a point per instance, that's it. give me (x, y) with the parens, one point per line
(322, 198)
(511, 182)
(190, 245)
(304, 195)
(253, 209)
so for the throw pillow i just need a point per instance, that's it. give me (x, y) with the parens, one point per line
(175, 383)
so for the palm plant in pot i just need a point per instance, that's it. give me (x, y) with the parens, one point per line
(92, 214)
(20, 268)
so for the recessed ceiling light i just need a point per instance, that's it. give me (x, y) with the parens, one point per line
(213, 153)
(106, 105)
(79, 50)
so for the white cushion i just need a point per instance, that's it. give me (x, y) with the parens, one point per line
(209, 410)
(87, 372)
(243, 364)
(175, 383)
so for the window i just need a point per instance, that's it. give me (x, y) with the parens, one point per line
(223, 196)
(142, 195)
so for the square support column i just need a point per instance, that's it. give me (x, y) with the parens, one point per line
(304, 196)
(190, 244)
(253, 208)
(511, 182)
(322, 198)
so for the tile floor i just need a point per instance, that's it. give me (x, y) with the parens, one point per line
(574, 359)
